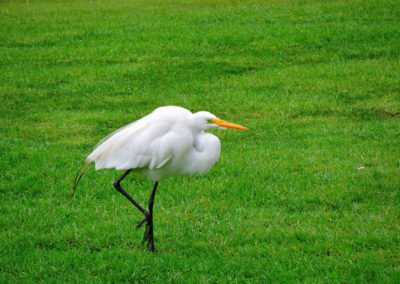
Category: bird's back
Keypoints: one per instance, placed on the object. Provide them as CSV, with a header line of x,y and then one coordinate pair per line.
x,y
150,142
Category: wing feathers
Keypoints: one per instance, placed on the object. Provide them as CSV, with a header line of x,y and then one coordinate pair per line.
x,y
150,142
137,145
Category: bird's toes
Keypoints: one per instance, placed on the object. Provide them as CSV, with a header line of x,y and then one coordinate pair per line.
x,y
145,239
146,236
141,223
151,247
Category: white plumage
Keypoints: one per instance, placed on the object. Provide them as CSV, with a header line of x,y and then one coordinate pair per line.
x,y
166,142
169,141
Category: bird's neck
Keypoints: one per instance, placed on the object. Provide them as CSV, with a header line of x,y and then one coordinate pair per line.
x,y
205,153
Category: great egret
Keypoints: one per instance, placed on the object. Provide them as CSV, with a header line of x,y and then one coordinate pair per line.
x,y
169,141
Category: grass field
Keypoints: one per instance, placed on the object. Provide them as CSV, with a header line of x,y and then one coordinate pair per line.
x,y
311,193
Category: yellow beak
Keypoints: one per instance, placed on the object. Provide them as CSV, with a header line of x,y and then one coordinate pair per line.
x,y
227,124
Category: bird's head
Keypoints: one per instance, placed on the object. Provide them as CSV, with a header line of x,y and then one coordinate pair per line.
x,y
203,120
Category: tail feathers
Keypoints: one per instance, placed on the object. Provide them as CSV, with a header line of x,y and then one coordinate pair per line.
x,y
79,175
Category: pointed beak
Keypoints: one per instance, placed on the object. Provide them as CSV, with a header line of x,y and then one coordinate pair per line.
x,y
226,124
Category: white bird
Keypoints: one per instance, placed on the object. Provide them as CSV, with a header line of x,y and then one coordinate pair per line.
x,y
169,141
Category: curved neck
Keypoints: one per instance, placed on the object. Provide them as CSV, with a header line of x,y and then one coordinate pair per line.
x,y
206,152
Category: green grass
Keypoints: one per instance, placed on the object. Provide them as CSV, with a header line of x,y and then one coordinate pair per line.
x,y
317,83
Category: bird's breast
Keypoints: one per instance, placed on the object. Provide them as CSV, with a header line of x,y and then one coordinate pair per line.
x,y
204,154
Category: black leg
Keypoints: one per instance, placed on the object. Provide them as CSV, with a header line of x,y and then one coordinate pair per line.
x,y
148,215
150,238
119,188
152,202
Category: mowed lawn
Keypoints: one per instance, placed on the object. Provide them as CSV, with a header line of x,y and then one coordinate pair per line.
x,y
311,193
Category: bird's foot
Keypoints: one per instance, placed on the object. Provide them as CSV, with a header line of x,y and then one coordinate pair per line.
x,y
148,234
141,223
148,238
150,245
150,241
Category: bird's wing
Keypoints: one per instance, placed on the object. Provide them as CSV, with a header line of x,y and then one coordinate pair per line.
x,y
148,142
